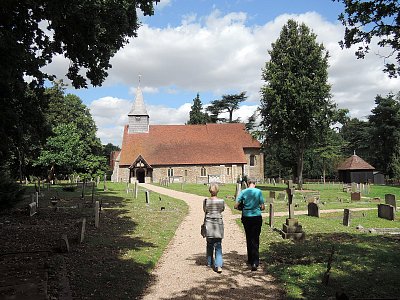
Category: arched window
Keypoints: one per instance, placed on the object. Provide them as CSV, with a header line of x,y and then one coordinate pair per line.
x,y
252,160
203,172
170,172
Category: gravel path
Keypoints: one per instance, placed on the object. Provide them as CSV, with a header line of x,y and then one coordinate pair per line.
x,y
182,272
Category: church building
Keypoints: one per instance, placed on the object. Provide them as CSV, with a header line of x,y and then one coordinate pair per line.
x,y
185,153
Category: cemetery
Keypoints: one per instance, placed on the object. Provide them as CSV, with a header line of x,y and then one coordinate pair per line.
x,y
360,246
59,244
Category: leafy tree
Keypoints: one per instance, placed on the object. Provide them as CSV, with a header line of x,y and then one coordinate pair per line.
x,y
63,151
65,109
385,133
365,20
196,114
357,134
32,33
296,103
107,149
228,103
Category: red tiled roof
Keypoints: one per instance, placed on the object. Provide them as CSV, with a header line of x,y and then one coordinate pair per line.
x,y
355,162
188,144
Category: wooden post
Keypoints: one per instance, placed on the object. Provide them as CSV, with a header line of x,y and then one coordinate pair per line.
x,y
271,215
97,214
92,191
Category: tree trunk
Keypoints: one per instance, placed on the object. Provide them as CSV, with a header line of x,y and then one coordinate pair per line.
x,y
230,115
323,171
300,164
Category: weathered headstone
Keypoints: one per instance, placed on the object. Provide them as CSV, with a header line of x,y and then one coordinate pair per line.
x,y
391,200
271,215
346,217
313,210
386,211
64,244
272,195
97,214
32,208
355,196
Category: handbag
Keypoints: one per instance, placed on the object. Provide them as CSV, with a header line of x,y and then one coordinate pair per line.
x,y
203,230
240,206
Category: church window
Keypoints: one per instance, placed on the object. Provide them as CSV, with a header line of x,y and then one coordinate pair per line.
x,y
186,172
203,172
170,172
252,160
228,171
138,118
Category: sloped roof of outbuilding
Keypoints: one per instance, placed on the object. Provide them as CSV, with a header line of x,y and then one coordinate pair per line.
x,y
355,162
188,144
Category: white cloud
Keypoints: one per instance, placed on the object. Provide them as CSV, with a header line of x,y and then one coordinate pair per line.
x,y
221,54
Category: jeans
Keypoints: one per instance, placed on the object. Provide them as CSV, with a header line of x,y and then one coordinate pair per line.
x,y
214,243
252,227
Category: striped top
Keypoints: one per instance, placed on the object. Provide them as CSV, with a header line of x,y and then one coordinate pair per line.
x,y
213,208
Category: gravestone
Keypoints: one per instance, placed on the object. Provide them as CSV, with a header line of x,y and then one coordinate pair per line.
x,y
386,211
292,229
346,217
355,196
64,244
96,214
391,200
32,208
147,197
281,196
313,209
271,215
353,187
272,195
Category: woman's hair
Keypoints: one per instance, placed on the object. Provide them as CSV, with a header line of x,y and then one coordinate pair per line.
x,y
213,189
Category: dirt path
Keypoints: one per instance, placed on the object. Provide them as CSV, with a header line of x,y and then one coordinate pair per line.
x,y
182,272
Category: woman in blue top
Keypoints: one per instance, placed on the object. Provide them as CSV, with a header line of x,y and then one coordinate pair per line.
x,y
253,204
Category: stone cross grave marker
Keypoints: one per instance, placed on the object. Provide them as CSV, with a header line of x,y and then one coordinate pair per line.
x,y
313,210
386,211
346,217
292,229
391,200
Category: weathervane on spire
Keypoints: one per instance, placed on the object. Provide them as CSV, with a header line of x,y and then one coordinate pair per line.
x,y
139,79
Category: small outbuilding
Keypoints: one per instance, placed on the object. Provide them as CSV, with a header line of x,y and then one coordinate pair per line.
x,y
355,169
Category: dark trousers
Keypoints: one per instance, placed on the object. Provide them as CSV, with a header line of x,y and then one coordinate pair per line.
x,y
252,227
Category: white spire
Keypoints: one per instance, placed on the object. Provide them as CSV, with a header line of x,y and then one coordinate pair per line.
x,y
138,107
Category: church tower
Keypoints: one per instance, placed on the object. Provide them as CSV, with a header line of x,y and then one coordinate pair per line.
x,y
138,116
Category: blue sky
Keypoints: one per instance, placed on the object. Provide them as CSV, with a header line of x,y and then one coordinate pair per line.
x,y
219,47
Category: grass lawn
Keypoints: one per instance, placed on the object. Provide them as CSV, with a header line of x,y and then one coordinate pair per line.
x,y
114,261
364,265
